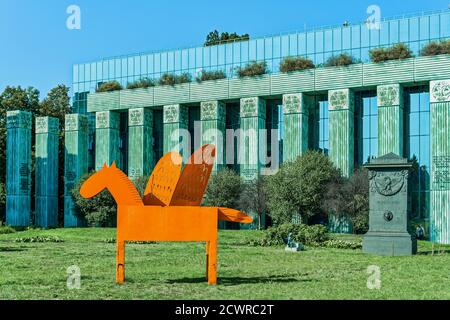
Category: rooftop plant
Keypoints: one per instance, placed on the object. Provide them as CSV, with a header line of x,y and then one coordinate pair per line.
x,y
340,60
214,38
141,83
290,64
211,75
173,79
435,48
252,69
109,86
396,52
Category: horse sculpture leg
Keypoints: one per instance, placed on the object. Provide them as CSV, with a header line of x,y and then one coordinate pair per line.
x,y
212,262
120,262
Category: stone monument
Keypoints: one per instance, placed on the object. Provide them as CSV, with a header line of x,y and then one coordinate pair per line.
x,y
389,232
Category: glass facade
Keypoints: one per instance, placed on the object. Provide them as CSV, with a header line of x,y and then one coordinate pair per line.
x,y
317,44
417,136
323,126
366,127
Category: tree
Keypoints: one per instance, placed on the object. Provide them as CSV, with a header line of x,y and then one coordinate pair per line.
x,y
224,189
349,197
212,38
298,187
254,198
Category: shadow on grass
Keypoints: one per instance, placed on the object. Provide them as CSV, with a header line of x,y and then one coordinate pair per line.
x,y
233,281
8,249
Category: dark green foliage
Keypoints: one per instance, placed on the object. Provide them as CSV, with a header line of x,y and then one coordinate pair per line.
x,y
213,38
224,189
6,230
211,75
141,83
298,188
2,197
435,48
169,79
252,69
396,52
109,86
349,197
254,197
290,64
99,211
340,60
307,235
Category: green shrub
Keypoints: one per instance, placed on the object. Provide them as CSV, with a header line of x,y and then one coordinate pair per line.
x,y
307,235
252,69
142,83
396,52
109,86
6,230
214,38
169,79
341,60
436,48
290,64
224,189
39,239
211,75
100,211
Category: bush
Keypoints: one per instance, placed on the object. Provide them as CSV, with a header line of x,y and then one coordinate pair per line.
x,y
211,75
396,52
341,60
224,189
290,64
436,48
307,235
142,83
298,188
169,79
109,86
99,211
252,69
7,230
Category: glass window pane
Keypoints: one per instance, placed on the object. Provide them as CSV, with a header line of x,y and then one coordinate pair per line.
x,y
414,124
310,42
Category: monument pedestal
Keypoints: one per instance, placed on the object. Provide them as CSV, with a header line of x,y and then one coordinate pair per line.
x,y
389,243
389,223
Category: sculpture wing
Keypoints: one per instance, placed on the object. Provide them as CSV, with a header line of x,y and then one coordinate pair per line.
x,y
227,214
161,184
195,176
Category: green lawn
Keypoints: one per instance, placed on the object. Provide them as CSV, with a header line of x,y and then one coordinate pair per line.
x,y
176,270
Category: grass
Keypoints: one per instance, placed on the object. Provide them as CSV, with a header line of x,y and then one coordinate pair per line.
x,y
176,270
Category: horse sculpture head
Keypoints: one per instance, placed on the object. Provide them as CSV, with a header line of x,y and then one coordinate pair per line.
x,y
117,183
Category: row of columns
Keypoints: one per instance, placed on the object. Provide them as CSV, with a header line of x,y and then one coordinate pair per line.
x,y
213,116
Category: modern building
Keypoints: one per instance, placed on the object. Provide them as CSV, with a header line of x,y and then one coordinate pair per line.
x,y
351,113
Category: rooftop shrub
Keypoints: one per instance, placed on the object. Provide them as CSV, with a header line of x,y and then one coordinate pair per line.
x,y
141,83
435,48
252,69
109,86
211,75
290,64
169,79
398,51
340,60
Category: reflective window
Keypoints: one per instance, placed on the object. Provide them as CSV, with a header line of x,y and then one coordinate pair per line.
x,y
417,148
323,127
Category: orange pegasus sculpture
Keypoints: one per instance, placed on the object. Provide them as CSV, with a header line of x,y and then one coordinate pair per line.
x,y
170,209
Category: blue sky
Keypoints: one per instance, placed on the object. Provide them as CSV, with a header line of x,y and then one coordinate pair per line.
x,y
38,50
